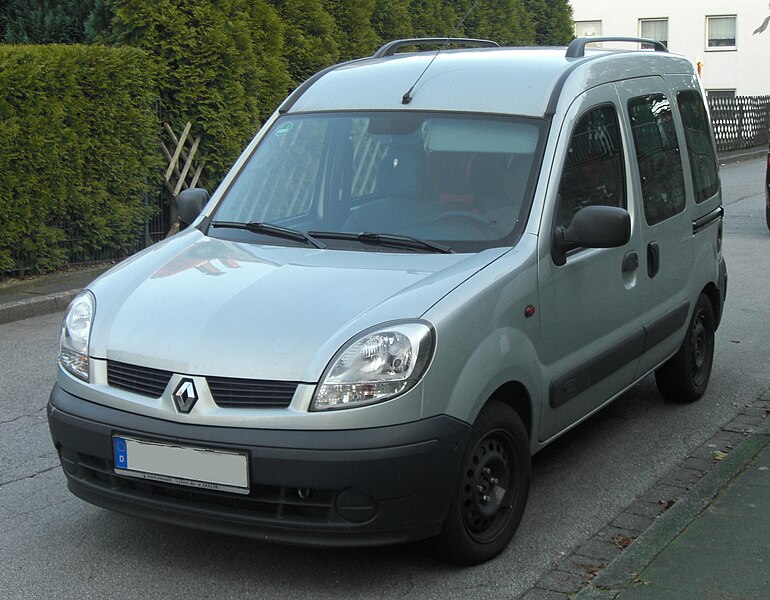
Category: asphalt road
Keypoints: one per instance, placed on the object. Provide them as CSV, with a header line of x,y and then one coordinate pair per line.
x,y
54,545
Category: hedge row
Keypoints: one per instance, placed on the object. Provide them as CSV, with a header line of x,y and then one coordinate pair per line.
x,y
78,150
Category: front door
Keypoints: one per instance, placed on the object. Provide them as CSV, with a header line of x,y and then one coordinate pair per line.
x,y
589,306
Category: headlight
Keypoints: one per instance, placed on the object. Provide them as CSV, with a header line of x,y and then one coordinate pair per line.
x,y
376,366
75,331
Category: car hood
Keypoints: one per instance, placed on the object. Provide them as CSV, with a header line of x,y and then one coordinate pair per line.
x,y
203,306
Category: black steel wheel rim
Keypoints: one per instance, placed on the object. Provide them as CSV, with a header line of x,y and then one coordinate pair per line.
x,y
486,493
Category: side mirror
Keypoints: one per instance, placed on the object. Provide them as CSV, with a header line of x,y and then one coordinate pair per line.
x,y
592,227
190,203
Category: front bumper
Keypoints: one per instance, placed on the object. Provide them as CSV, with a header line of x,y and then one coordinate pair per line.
x,y
344,488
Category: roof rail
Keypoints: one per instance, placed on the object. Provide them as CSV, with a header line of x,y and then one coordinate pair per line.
x,y
577,47
390,48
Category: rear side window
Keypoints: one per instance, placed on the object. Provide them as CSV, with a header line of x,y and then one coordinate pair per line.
x,y
593,172
700,150
657,153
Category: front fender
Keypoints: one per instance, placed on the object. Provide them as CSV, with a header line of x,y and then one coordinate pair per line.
x,y
506,356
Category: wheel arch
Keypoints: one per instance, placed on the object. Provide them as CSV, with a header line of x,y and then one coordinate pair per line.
x,y
712,293
515,395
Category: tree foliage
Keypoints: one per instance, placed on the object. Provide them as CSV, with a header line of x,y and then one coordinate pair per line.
x,y
311,37
552,20
392,19
356,36
55,21
221,66
505,21
432,18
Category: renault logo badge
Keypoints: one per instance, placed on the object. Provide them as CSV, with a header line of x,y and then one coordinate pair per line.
x,y
185,395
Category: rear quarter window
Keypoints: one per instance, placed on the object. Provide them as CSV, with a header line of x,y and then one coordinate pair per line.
x,y
700,149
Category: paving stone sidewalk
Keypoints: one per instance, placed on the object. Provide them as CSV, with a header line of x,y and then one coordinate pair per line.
x,y
701,532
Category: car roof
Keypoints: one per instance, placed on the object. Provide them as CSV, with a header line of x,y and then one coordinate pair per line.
x,y
521,81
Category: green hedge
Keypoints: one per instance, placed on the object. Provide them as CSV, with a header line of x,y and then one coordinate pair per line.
x,y
78,150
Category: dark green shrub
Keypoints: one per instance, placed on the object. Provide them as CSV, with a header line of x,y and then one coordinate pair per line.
x,y
54,21
78,150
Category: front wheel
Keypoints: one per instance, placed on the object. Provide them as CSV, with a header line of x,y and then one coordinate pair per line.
x,y
685,376
491,491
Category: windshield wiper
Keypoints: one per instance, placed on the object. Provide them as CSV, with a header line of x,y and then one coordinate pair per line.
x,y
274,230
385,239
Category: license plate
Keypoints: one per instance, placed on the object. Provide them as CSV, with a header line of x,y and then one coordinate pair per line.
x,y
181,465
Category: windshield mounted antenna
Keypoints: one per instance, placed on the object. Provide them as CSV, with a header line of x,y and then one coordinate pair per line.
x,y
407,98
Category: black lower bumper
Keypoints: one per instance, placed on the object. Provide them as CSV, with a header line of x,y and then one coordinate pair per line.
x,y
343,488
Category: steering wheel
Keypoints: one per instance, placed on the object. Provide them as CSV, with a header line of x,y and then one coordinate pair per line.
x,y
476,220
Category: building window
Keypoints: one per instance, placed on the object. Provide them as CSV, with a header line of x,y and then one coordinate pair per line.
x,y
720,33
588,28
726,94
654,29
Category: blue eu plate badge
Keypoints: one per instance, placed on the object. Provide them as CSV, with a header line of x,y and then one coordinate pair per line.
x,y
121,453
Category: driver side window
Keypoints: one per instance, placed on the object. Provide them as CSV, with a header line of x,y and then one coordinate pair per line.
x,y
593,171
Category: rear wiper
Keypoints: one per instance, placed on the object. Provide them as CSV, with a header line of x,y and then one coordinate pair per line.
x,y
385,239
274,230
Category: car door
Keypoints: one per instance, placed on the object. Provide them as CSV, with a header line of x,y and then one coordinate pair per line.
x,y
665,222
589,306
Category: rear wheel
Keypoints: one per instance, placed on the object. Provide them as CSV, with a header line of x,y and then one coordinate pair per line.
x,y
685,377
492,489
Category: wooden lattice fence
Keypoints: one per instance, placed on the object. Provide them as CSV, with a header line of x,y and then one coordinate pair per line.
x,y
740,122
185,166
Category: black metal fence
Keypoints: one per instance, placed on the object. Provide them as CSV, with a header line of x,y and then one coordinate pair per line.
x,y
155,227
741,122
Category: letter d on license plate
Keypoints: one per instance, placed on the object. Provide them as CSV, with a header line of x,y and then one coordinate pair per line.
x,y
181,465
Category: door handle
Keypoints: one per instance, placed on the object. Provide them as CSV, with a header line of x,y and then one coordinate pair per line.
x,y
630,262
653,259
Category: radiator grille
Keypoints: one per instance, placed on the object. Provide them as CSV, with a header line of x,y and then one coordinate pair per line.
x,y
227,392
140,380
247,393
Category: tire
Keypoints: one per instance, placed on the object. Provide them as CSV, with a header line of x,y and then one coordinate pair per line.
x,y
492,489
685,376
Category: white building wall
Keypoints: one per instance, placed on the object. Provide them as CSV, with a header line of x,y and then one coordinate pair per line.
x,y
746,69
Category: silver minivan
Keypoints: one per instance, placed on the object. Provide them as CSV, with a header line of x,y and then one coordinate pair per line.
x,y
426,266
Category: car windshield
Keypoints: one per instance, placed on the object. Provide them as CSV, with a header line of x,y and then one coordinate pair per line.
x,y
461,181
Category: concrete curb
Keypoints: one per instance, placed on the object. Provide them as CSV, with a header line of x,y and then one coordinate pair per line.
x,y
36,306
742,155
619,574
46,294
